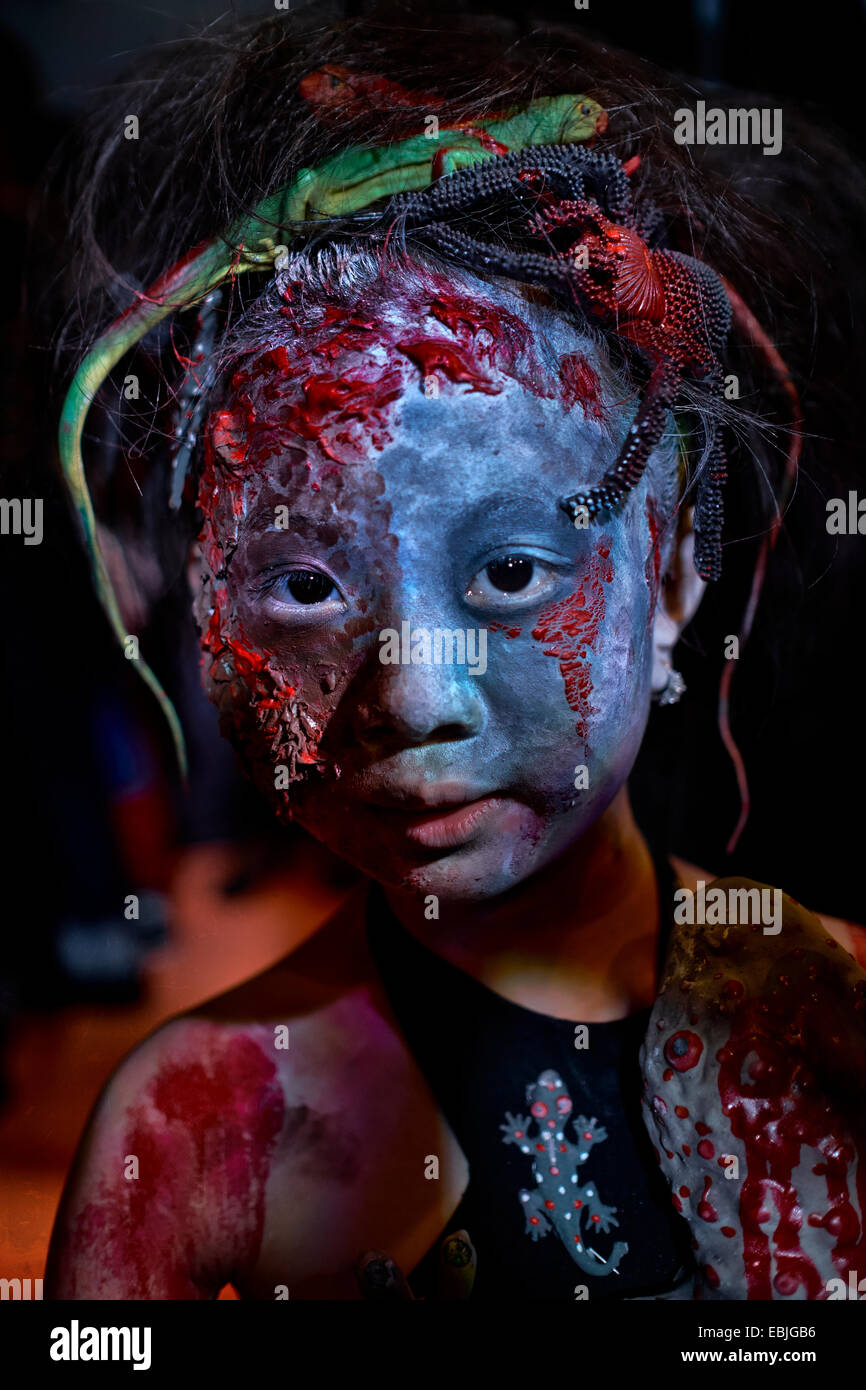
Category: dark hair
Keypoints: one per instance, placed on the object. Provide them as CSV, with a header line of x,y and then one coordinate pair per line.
x,y
222,123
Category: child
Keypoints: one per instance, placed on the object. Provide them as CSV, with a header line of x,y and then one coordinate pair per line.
x,y
456,478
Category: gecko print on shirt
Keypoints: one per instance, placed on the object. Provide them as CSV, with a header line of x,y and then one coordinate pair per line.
x,y
559,1201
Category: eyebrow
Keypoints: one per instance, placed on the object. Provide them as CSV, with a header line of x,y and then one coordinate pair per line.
x,y
591,462
262,519
510,508
498,503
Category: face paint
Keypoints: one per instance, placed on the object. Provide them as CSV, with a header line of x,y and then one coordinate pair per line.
x,y
653,564
259,703
398,505
571,627
580,384
288,394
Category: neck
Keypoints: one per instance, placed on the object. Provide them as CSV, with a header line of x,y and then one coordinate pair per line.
x,y
577,940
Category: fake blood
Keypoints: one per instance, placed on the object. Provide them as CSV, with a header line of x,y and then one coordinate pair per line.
x,y
570,629
265,717
706,1210
775,1108
292,390
782,1047
580,385
278,402
202,1134
453,362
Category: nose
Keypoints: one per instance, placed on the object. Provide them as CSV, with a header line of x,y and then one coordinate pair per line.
x,y
406,706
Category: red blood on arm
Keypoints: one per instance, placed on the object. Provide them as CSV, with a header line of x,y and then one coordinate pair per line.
x,y
190,1215
766,1091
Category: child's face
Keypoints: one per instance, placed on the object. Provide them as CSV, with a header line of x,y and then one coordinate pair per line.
x,y
449,520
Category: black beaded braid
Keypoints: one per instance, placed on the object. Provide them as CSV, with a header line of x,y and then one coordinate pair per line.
x,y
565,168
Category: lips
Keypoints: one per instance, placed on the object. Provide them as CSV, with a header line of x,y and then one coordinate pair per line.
x,y
444,798
456,827
439,823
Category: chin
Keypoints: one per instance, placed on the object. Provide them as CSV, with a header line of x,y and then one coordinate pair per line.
x,y
476,873
460,882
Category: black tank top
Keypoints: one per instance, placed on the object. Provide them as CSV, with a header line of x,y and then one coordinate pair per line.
x,y
547,1112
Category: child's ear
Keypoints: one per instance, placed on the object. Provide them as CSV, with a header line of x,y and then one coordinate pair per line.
x,y
678,602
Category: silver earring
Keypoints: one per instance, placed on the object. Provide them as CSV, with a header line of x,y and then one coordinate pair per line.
x,y
674,688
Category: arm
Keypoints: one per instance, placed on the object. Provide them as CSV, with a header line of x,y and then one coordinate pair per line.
x,y
165,1199
755,1086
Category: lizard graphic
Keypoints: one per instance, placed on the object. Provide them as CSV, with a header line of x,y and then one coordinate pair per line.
x,y
559,1201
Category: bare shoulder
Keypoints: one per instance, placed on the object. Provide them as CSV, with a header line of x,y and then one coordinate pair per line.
x,y
304,1014
292,1014
848,934
146,1212
166,1198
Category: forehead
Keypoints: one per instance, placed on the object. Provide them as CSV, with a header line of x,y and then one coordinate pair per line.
x,y
505,458
461,445
441,399
337,374
424,389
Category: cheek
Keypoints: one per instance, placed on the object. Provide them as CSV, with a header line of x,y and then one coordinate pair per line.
x,y
275,717
278,687
570,631
598,637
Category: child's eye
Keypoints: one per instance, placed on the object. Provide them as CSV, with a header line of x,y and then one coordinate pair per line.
x,y
301,585
511,574
515,578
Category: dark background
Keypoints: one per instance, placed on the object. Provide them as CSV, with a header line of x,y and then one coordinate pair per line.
x,y
91,809
56,52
